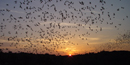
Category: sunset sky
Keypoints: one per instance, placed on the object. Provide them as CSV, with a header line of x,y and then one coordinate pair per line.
x,y
60,27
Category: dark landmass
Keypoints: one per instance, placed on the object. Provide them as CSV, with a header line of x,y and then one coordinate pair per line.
x,y
101,58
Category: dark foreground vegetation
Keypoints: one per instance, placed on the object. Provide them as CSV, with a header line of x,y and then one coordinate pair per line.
x,y
101,58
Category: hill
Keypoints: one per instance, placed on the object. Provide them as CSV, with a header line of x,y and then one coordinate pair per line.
x,y
101,58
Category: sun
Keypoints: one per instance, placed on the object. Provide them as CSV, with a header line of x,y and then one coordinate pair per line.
x,y
69,54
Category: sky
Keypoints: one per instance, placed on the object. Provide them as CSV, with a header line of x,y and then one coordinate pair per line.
x,y
63,27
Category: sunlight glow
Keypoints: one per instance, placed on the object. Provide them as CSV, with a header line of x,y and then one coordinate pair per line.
x,y
69,54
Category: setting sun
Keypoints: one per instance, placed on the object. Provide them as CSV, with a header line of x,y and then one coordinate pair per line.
x,y
69,54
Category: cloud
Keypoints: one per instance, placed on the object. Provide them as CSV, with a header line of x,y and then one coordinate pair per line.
x,y
68,24
69,49
62,24
4,40
16,11
92,39
103,28
91,11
